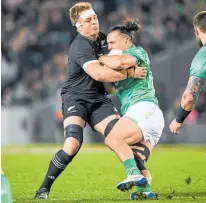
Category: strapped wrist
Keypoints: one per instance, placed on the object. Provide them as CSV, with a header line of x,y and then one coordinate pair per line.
x,y
182,114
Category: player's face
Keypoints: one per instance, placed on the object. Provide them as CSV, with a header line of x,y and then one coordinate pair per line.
x,y
89,26
198,40
116,41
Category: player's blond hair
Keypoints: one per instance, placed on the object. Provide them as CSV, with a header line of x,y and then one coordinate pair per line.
x,y
200,21
77,9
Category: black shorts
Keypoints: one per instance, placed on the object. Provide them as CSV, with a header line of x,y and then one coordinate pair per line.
x,y
92,111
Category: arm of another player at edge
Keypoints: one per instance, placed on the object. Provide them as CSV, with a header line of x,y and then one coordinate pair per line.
x,y
104,73
118,62
191,92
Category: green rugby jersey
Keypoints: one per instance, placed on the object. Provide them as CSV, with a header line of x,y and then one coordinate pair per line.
x,y
132,90
198,66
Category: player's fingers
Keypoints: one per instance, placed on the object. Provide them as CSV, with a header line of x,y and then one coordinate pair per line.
x,y
142,77
176,131
143,73
172,129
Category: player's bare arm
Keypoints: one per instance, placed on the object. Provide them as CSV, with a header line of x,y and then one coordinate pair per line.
x,y
118,62
104,73
127,62
191,93
188,100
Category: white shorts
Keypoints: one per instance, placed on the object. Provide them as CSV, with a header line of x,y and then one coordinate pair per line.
x,y
149,118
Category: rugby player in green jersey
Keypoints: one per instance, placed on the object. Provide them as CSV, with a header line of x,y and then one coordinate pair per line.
x,y
197,74
139,105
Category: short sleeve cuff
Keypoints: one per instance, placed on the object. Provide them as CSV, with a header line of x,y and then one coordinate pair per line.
x,y
85,64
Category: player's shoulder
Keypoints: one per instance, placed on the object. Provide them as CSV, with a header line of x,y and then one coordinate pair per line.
x,y
80,43
200,57
198,65
138,50
139,53
102,35
202,51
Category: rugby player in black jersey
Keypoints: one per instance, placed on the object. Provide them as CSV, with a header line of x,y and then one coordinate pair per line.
x,y
83,95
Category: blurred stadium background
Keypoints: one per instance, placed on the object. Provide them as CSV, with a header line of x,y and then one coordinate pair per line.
x,y
36,36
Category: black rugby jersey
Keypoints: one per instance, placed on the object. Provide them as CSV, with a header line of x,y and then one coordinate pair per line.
x,y
84,50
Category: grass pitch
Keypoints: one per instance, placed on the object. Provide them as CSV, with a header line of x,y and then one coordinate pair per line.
x,y
94,173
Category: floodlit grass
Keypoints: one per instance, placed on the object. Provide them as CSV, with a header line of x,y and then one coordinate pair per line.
x,y
94,173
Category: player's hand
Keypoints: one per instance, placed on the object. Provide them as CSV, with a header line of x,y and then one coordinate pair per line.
x,y
139,72
175,126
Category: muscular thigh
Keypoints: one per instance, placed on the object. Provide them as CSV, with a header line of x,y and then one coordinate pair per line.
x,y
127,130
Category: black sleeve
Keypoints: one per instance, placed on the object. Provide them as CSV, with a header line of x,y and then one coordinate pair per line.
x,y
83,53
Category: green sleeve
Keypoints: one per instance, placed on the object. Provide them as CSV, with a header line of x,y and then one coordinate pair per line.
x,y
198,71
136,53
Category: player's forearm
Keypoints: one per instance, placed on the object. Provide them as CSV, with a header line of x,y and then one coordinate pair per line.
x,y
189,97
124,61
113,62
107,74
191,93
187,101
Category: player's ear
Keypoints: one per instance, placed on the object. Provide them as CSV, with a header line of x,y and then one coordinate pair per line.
x,y
126,40
80,28
197,31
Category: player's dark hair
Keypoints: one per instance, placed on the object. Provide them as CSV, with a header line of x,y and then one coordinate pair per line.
x,y
200,21
129,26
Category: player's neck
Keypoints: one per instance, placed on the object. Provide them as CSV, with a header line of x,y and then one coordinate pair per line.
x,y
128,46
90,37
93,37
203,40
